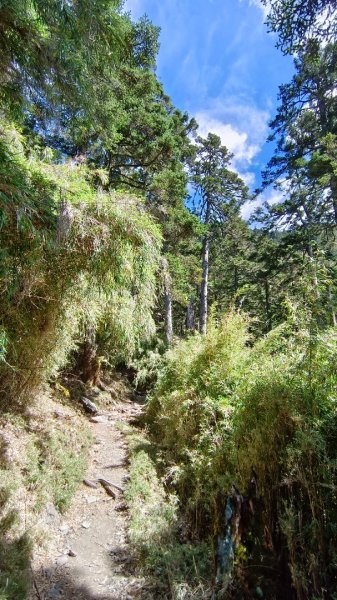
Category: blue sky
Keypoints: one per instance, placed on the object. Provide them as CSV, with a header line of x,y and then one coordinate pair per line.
x,y
218,62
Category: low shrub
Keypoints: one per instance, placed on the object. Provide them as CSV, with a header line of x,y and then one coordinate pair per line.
x,y
190,413
257,424
180,569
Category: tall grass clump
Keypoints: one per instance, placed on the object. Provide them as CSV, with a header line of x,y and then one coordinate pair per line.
x,y
256,425
285,426
190,413
71,257
179,569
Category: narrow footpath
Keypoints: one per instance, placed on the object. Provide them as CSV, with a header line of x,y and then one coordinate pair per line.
x,y
86,555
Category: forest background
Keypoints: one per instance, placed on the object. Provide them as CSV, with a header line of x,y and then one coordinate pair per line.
x,y
121,227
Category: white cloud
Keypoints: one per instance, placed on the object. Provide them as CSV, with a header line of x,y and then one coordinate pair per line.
x,y
241,127
270,196
236,141
249,207
248,124
265,8
249,178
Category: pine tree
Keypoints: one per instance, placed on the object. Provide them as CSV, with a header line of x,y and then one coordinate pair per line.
x,y
219,194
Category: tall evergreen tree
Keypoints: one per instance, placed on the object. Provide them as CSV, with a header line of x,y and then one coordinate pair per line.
x,y
299,20
219,194
306,124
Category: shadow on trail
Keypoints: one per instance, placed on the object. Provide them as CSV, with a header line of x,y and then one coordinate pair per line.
x,y
54,584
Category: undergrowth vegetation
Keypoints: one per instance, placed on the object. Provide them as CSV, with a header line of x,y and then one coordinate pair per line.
x,y
55,466
255,426
119,228
43,458
179,568
78,258
15,544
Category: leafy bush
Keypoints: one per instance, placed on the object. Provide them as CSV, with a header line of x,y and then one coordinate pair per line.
x,y
70,256
190,412
223,410
178,567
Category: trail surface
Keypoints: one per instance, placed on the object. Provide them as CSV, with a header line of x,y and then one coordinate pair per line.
x,y
87,555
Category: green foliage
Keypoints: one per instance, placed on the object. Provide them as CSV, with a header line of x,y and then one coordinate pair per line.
x,y
297,21
218,195
58,47
14,565
190,411
15,551
179,568
70,256
42,461
303,165
79,263
221,408
219,192
54,54
56,465
156,512
147,364
290,390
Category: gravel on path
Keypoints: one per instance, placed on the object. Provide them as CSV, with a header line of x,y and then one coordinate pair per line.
x,y
87,555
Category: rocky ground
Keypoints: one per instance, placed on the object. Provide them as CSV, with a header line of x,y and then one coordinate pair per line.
x,y
86,555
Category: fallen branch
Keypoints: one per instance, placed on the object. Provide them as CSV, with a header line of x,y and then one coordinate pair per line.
x,y
106,482
107,488
90,484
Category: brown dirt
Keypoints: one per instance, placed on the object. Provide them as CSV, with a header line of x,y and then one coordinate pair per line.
x,y
87,556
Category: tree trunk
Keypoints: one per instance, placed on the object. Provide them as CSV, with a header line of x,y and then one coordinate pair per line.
x,y
168,302
168,317
267,301
190,315
205,271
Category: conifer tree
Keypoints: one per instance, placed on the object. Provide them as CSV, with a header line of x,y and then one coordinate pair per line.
x,y
219,194
297,21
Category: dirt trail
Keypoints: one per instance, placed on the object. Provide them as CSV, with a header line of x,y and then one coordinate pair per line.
x,y
87,555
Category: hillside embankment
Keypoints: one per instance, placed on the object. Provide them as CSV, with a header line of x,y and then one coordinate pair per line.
x,y
64,517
